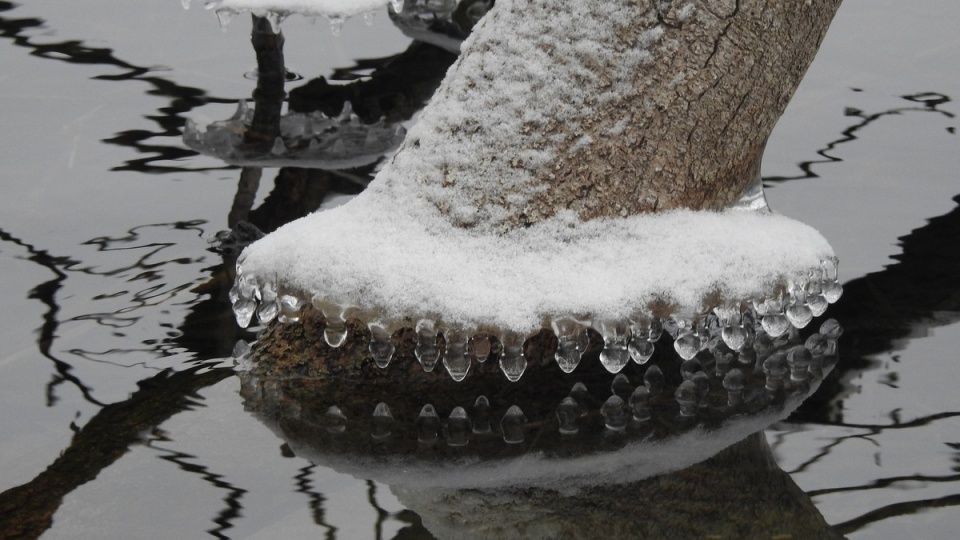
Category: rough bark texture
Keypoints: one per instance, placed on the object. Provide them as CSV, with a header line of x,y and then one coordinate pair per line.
x,y
701,113
670,109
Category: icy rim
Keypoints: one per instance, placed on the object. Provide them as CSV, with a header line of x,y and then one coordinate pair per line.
x,y
336,11
702,275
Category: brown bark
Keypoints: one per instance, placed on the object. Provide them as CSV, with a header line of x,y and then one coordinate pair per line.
x,y
682,124
696,143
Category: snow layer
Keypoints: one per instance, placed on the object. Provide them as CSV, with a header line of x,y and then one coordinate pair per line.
x,y
402,257
328,8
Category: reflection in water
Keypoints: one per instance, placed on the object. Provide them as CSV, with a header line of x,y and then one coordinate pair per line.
x,y
232,500
27,510
170,119
929,102
568,455
46,293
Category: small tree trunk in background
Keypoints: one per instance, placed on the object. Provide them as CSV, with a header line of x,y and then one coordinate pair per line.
x,y
610,107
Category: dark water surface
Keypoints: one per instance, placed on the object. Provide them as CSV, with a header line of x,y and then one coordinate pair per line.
x,y
120,415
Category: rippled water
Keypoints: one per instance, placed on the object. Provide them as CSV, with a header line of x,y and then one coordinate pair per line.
x,y
120,419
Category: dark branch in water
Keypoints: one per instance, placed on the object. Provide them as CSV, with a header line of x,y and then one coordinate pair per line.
x,y
931,102
170,120
46,293
26,511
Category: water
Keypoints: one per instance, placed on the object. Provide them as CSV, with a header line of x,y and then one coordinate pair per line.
x,y
113,301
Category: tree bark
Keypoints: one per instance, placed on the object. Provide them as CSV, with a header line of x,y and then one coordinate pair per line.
x,y
609,108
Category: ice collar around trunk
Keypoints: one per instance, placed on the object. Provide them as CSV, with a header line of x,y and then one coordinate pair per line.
x,y
703,276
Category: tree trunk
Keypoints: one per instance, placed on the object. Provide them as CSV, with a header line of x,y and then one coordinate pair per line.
x,y
608,108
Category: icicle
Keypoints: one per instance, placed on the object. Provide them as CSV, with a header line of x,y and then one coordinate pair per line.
x,y
335,332
481,415
832,290
346,114
479,347
687,343
243,311
799,360
336,24
775,325
427,352
458,427
640,349
274,18
455,357
269,303
581,395
512,361
688,397
381,345
224,16
428,425
775,368
702,380
396,6
382,423
512,425
639,403
689,368
571,342
241,113
278,147
334,420
616,336
621,385
734,382
289,309
568,414
614,412
653,379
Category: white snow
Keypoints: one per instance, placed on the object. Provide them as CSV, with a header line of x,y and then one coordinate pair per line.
x,y
404,258
327,8
485,135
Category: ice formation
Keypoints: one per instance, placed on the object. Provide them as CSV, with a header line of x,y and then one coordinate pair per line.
x,y
430,240
306,140
276,10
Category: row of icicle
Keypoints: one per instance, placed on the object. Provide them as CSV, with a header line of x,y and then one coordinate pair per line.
x,y
732,327
785,364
